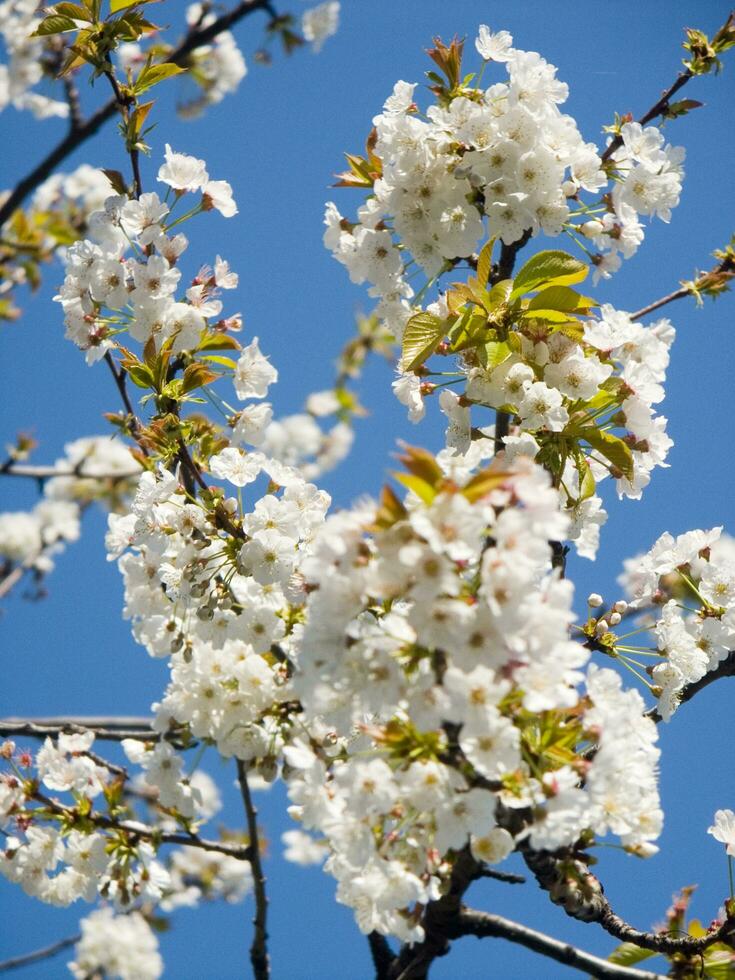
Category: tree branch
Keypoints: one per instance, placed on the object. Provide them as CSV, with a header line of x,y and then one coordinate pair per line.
x,y
25,959
582,897
106,729
41,473
383,956
144,832
481,924
657,109
259,948
196,37
713,282
726,668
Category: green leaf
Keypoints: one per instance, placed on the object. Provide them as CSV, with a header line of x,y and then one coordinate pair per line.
x,y
484,262
421,337
154,74
499,293
217,359
493,353
195,376
628,954
54,25
560,298
611,447
116,5
548,268
420,487
74,10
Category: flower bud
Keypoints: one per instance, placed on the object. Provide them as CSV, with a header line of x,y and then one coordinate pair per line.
x,y
594,600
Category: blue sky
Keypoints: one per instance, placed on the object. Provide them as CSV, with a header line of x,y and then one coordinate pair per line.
x,y
278,142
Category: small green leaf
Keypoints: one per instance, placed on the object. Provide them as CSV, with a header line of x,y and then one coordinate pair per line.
x,y
420,487
154,74
117,180
628,954
117,5
493,353
560,298
484,262
549,268
611,447
499,293
74,10
421,337
54,25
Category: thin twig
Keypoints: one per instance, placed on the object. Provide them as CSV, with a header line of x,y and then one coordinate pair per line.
x,y
715,281
657,109
104,729
259,948
242,852
25,959
51,472
483,924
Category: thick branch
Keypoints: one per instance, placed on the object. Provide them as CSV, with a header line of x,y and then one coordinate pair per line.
x,y
581,895
197,37
259,948
383,956
25,959
482,924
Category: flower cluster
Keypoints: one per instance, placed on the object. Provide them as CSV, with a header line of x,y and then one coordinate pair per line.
x,y
691,580
95,468
105,293
18,20
121,947
441,693
61,852
223,606
484,163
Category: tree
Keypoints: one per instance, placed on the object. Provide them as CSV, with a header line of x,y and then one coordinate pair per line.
x,y
410,668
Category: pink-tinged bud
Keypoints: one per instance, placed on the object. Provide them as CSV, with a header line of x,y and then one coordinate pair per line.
x,y
7,749
621,606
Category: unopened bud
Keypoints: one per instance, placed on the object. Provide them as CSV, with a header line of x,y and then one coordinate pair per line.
x,y
615,618
602,627
594,600
621,606
591,229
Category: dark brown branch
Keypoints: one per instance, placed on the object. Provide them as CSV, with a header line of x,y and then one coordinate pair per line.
x,y
50,472
259,948
657,109
503,270
505,876
144,832
119,376
582,896
76,120
74,139
105,729
712,282
25,959
383,956
726,668
482,924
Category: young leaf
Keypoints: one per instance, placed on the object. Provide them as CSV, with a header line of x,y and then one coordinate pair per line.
x,y
484,262
423,333
154,74
548,268
54,25
611,447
